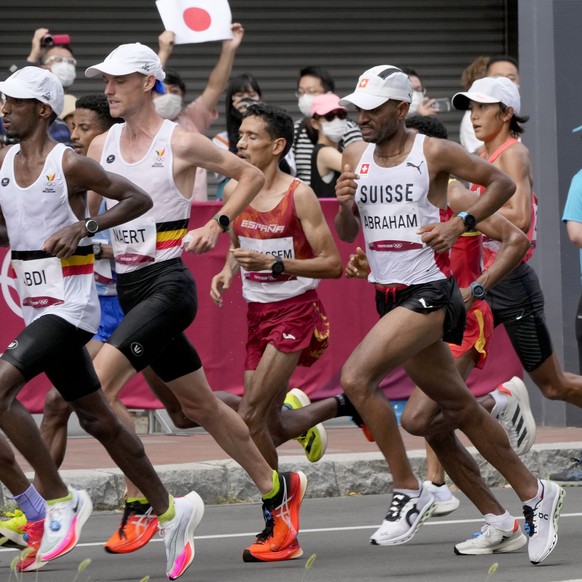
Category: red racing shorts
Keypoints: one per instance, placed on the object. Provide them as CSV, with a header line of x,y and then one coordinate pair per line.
x,y
478,330
292,325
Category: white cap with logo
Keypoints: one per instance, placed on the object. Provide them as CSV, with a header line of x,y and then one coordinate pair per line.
x,y
35,83
490,90
131,58
379,84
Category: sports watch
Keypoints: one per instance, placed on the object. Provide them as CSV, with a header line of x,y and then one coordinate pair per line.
x,y
223,221
478,291
468,220
91,227
278,267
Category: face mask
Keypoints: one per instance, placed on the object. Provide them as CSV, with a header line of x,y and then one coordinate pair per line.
x,y
335,129
168,105
65,72
417,99
304,104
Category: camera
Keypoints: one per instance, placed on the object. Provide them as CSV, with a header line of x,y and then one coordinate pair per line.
x,y
442,104
5,140
49,40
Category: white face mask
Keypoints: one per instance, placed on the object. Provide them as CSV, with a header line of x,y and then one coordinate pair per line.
x,y
168,105
304,104
417,99
335,129
65,72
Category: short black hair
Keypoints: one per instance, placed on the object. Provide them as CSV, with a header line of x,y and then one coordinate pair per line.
x,y
98,103
427,125
174,78
279,123
322,74
502,59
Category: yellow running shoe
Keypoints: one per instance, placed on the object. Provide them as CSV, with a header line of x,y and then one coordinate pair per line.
x,y
13,528
314,441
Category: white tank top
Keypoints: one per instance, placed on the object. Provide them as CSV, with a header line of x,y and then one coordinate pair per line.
x,y
155,236
47,284
393,205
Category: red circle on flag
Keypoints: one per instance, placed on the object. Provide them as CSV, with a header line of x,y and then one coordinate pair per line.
x,y
197,19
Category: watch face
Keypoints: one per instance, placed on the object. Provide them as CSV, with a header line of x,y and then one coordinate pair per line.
x,y
277,268
224,221
91,226
469,221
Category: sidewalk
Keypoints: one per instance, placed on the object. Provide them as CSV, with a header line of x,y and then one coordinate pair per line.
x,y
351,465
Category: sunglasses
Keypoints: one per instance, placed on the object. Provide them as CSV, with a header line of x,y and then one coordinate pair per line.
x,y
340,114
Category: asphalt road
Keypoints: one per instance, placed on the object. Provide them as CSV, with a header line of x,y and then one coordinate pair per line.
x,y
336,531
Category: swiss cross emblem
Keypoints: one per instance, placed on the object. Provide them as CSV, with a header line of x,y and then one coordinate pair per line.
x,y
364,168
363,83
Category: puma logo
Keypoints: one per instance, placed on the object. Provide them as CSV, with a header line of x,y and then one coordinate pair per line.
x,y
410,164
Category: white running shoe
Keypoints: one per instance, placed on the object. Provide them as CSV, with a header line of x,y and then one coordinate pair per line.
x,y
444,501
541,522
404,518
517,418
492,540
178,534
62,525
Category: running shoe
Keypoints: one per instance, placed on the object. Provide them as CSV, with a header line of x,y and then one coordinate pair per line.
x,y
138,526
178,534
541,522
571,476
33,531
517,418
63,523
13,528
444,501
404,518
281,515
314,441
492,540
261,553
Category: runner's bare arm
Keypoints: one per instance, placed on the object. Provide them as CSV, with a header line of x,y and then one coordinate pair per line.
x,y
194,150
514,243
451,158
347,222
83,174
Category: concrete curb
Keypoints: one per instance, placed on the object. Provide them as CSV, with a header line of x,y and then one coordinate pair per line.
x,y
335,475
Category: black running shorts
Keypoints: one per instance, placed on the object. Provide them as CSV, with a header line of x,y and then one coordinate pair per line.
x,y
426,298
159,303
54,346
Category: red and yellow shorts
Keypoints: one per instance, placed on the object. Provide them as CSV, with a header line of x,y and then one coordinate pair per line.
x,y
292,325
478,330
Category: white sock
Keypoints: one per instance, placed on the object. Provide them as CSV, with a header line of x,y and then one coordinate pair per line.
x,y
504,522
411,492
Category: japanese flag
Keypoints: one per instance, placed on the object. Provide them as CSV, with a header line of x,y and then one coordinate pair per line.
x,y
196,20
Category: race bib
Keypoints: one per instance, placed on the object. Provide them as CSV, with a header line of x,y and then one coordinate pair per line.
x,y
276,247
134,242
40,282
393,228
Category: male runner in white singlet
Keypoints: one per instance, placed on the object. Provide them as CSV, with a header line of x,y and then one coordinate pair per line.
x,y
394,185
156,290
43,204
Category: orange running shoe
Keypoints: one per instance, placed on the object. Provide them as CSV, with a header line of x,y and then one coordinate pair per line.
x,y
138,525
281,513
33,531
260,552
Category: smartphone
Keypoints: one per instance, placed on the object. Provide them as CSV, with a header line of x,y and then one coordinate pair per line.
x,y
442,104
